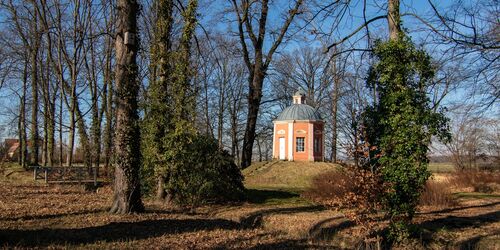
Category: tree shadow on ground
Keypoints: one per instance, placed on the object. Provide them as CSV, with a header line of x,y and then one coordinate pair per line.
x,y
112,232
52,216
481,242
460,222
259,196
431,227
448,210
124,231
321,233
289,244
255,219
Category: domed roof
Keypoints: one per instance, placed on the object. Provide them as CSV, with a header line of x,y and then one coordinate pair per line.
x,y
299,112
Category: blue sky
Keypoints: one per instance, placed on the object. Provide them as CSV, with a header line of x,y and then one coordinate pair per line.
x,y
213,21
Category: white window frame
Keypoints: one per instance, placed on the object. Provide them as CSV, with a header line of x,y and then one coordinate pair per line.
x,y
300,147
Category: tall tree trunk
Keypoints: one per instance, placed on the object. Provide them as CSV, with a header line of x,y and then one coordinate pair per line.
x,y
45,87
108,100
234,139
220,122
355,134
34,92
51,130
259,149
234,110
83,137
127,191
160,188
254,99
49,98
206,107
95,128
63,94
335,102
157,121
45,119
61,144
71,140
108,128
23,150
394,19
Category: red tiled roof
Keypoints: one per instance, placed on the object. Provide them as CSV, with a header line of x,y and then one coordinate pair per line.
x,y
13,148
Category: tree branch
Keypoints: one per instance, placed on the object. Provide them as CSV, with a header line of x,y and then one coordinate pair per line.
x,y
293,12
354,32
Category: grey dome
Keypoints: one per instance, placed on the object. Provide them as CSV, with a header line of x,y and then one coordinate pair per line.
x,y
299,112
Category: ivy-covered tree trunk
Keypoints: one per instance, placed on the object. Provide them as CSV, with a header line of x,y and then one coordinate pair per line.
x,y
157,122
400,126
127,191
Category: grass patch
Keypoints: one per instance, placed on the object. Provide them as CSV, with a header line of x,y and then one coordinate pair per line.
x,y
437,194
441,167
274,197
13,173
284,174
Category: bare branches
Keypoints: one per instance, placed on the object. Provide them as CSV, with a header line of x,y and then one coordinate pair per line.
x,y
246,56
476,39
292,13
365,24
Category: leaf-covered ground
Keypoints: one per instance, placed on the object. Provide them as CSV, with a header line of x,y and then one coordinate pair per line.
x,y
33,215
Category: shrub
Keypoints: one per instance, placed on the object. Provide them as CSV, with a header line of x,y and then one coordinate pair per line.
x,y
437,194
351,188
202,173
478,181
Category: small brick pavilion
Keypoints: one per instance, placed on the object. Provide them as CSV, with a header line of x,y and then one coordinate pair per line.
x,y
299,132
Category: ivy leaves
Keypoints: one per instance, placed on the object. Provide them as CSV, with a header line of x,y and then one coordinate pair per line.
x,y
401,124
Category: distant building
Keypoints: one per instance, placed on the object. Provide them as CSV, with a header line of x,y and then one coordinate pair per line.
x,y
11,152
299,132
13,147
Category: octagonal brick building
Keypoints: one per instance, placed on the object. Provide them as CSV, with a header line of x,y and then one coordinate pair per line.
x,y
299,132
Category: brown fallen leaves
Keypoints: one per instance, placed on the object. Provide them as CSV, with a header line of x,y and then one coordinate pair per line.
x,y
39,216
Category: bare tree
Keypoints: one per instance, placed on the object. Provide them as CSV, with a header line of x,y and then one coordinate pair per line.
x,y
474,139
258,63
34,87
108,90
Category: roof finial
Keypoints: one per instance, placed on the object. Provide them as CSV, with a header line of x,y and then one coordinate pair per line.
x,y
299,97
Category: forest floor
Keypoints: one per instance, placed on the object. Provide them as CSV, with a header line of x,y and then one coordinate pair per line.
x,y
35,215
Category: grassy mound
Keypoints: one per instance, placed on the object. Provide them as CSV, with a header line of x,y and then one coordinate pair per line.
x,y
284,175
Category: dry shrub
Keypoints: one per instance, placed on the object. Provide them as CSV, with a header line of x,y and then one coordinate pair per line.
x,y
478,181
437,194
355,189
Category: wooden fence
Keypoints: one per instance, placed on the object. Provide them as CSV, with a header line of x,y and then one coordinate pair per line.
x,y
62,175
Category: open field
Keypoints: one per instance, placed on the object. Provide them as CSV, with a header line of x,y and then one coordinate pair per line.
x,y
275,217
441,167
